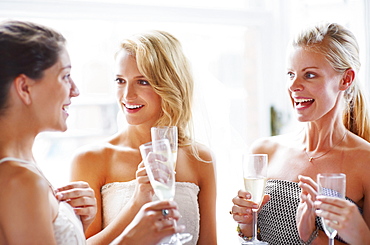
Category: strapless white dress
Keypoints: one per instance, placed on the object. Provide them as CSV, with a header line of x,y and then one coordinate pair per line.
x,y
67,226
116,195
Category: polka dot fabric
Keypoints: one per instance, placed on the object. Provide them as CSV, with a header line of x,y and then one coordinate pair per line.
x,y
276,220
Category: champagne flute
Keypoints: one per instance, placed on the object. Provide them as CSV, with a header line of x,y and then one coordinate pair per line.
x,y
158,163
170,133
333,185
255,177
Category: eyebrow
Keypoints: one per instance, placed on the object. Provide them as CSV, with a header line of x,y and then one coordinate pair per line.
x,y
66,67
137,77
310,67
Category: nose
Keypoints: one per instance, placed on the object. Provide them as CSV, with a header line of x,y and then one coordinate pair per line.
x,y
295,85
74,92
129,91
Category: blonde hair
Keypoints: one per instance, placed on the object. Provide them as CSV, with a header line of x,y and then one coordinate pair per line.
x,y
160,59
341,50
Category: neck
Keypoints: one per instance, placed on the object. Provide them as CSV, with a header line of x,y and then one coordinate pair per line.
x,y
318,139
137,135
16,143
324,146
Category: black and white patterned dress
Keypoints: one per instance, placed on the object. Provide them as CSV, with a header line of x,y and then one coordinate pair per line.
x,y
277,218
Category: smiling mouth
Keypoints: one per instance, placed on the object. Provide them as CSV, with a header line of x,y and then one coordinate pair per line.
x,y
303,102
133,107
65,108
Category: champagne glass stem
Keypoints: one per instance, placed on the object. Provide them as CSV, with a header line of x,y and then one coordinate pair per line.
x,y
254,225
331,241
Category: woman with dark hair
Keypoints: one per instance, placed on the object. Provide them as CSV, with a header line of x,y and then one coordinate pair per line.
x,y
35,91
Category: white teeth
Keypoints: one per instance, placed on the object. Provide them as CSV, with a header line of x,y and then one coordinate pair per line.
x,y
302,100
133,106
65,107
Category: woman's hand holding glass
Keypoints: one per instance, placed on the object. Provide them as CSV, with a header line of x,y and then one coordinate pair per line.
x,y
334,185
143,190
150,226
255,177
242,210
343,216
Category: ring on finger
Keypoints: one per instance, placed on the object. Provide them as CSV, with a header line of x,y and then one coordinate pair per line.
x,y
165,212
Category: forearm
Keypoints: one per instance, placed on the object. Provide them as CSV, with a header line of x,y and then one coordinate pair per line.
x,y
116,227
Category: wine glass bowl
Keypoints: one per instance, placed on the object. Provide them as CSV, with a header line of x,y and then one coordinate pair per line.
x,y
170,133
334,185
159,168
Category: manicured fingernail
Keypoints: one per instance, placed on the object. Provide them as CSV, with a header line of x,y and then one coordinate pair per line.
x,y
59,196
317,202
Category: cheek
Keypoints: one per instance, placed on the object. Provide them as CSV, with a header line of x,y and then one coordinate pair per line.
x,y
157,101
119,93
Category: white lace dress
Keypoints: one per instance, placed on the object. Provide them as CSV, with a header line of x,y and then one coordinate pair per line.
x,y
67,226
116,195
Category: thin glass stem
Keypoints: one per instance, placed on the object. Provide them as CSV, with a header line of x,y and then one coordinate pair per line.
x,y
254,225
331,241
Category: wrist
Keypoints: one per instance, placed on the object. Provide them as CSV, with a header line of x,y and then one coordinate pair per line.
x,y
312,237
246,236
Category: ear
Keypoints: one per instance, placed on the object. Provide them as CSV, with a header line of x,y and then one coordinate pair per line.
x,y
22,86
347,79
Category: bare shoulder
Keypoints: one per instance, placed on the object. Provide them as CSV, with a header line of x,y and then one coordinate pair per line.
x,y
358,149
93,154
90,162
19,182
26,199
202,162
204,151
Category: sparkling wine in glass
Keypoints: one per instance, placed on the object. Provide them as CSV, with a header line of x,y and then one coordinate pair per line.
x,y
255,177
170,133
158,163
334,185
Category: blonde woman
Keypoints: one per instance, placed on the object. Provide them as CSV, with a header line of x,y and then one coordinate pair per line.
x,y
154,88
323,64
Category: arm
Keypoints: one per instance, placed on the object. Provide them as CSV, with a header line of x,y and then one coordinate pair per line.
x,y
26,212
207,199
148,227
91,167
142,195
85,167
